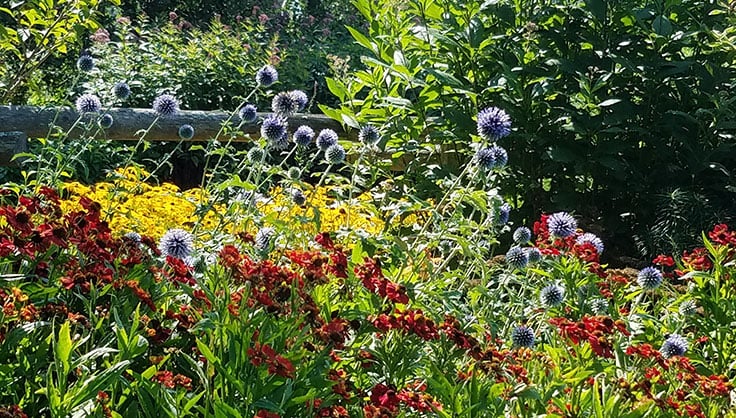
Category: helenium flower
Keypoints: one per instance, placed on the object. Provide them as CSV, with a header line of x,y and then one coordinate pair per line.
x,y
522,336
493,124
266,76
166,105
176,243
674,345
649,278
88,103
561,224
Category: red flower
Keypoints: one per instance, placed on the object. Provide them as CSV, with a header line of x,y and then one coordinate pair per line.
x,y
266,414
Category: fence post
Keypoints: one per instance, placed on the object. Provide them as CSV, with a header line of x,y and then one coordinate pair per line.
x,y
12,143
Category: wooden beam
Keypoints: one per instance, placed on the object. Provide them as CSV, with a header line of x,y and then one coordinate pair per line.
x,y
35,122
12,143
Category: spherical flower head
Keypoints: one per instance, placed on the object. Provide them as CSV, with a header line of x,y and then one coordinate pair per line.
x,y
106,121
561,224
485,159
165,105
121,90
273,128
500,156
552,295
674,345
516,258
649,278
248,113
279,144
266,76
85,63
300,98
522,336
502,216
88,103
186,132
533,254
493,124
256,155
591,239
599,306
294,173
688,308
369,135
132,236
297,196
176,243
284,104
522,235
326,138
303,136
263,238
335,154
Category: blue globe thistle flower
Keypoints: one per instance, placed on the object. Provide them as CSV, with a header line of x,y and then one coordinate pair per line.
x,y
132,236
485,159
279,144
561,224
500,156
516,258
121,90
502,217
493,124
297,196
300,98
369,135
273,128
522,336
303,136
106,121
256,155
591,239
266,76
85,63
674,345
165,105
522,235
176,243
335,154
533,254
88,103
263,239
599,306
248,113
326,138
552,295
186,132
284,104
649,278
294,173
688,308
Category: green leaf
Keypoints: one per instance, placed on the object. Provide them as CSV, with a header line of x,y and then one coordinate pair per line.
x,y
362,39
63,348
662,26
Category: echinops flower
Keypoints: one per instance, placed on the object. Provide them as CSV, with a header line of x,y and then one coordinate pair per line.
x,y
552,295
326,138
284,104
106,121
186,132
85,63
273,128
294,173
297,196
248,113
533,254
335,154
591,239
303,136
502,216
522,235
121,90
516,258
176,243
165,105
256,155
561,224
369,135
688,307
88,103
500,156
485,159
649,278
132,236
674,345
263,239
266,76
300,98
522,336
599,306
493,124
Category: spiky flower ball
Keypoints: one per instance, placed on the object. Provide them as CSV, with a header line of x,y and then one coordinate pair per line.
x,y
273,128
502,216
522,336
85,63
248,113
176,243
552,295
165,105
500,156
522,235
266,76
88,103
326,138
493,123
688,307
485,159
533,254
106,121
303,136
335,154
516,258
264,238
591,239
186,132
121,90
561,224
674,345
369,135
599,306
279,144
132,236
297,196
256,155
649,278
284,104
300,98
294,173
